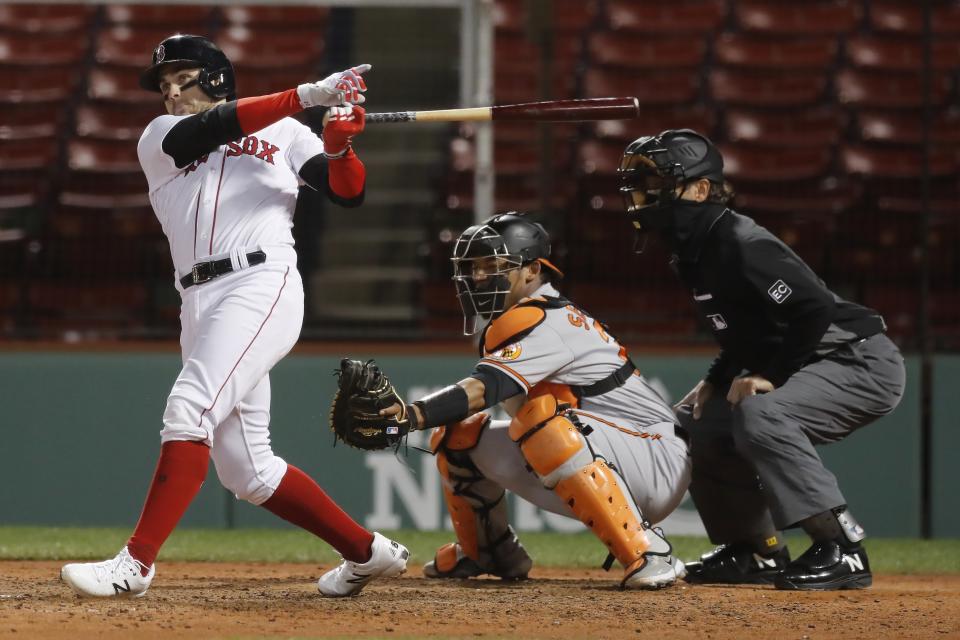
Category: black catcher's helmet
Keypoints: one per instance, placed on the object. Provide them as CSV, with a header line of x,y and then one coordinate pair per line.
x,y
216,78
653,167
495,247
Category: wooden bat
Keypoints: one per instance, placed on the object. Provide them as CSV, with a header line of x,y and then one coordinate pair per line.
x,y
551,111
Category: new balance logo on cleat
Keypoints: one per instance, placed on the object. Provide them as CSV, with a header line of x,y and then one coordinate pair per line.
x,y
765,563
359,578
854,562
117,588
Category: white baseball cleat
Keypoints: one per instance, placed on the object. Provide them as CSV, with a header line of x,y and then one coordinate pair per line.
x,y
120,576
388,560
659,567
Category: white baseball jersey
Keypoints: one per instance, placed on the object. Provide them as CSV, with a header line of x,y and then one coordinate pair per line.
x,y
632,426
242,194
238,198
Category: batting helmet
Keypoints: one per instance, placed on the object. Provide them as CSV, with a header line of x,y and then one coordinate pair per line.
x,y
500,244
216,78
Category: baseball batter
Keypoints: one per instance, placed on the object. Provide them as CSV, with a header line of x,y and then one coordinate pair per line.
x,y
223,176
589,438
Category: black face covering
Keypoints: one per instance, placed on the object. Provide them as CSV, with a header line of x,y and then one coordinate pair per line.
x,y
674,221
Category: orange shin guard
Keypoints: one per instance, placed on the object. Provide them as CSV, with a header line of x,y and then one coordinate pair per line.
x,y
461,513
598,500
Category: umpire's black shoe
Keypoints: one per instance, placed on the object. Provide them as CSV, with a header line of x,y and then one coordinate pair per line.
x,y
827,566
736,564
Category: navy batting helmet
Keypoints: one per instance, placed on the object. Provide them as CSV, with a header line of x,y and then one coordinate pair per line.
x,y
216,78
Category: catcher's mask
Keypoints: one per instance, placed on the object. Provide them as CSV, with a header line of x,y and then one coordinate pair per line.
x,y
655,169
483,257
216,79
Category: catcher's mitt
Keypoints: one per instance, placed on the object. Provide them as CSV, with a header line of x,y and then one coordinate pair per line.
x,y
355,413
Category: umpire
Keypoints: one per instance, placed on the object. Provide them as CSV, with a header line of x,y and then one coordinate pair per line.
x,y
798,366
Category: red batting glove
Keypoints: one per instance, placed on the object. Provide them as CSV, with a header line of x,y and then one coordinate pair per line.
x,y
343,123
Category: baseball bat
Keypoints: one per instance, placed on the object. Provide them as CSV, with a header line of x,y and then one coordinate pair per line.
x,y
550,111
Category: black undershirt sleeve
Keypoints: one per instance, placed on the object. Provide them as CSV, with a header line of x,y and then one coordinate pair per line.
x,y
497,385
200,134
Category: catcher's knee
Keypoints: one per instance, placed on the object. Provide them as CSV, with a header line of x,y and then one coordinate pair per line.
x,y
550,442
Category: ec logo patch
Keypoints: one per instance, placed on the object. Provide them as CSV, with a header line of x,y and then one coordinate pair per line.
x,y
719,324
510,352
779,291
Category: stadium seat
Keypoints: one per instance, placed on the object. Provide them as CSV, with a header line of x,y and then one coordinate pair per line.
x,y
755,163
651,88
907,17
25,121
875,162
124,46
46,18
35,49
27,154
599,157
893,53
277,17
112,121
654,120
821,199
516,55
741,50
679,16
625,50
103,156
795,18
38,85
179,18
111,84
818,127
252,82
874,89
907,127
767,88
249,49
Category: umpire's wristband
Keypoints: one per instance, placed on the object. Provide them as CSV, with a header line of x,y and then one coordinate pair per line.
x,y
446,406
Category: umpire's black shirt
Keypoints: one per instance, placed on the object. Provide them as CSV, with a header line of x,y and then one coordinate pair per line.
x,y
768,310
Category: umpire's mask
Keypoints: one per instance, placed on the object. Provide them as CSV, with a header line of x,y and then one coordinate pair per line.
x,y
485,254
654,169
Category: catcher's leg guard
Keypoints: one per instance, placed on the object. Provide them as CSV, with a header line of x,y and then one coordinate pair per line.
x,y
558,452
485,541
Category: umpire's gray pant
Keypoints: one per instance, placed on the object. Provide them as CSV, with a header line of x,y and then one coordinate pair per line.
x,y
755,469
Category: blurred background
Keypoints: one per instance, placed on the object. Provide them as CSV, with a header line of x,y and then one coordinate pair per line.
x,y
839,122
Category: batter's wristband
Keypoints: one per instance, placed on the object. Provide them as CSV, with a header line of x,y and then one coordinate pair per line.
x,y
446,406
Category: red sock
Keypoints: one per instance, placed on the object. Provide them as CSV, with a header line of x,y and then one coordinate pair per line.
x,y
180,472
301,501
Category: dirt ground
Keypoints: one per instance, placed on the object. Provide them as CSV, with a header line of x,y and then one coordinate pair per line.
x,y
212,600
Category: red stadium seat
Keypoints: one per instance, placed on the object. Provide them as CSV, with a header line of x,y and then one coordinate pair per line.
x,y
897,163
103,156
517,55
251,82
123,46
277,17
37,84
599,157
509,158
119,85
900,54
679,16
767,88
907,17
823,200
22,49
25,121
822,126
177,18
46,18
620,49
112,121
740,50
907,127
248,48
796,18
27,154
888,90
654,120
653,88
771,164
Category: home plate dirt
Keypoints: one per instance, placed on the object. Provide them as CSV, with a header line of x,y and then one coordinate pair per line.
x,y
215,600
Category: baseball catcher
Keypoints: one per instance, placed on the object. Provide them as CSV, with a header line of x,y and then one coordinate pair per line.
x,y
589,438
